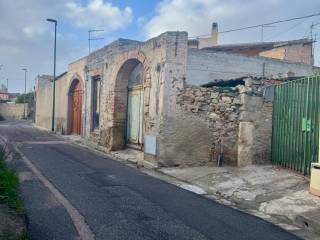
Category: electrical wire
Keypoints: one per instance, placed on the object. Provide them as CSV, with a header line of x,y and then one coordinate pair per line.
x,y
285,31
261,25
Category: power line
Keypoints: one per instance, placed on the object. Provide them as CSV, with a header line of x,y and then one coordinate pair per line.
x,y
285,31
270,23
264,24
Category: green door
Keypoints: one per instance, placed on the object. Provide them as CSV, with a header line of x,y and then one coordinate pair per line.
x,y
135,117
295,133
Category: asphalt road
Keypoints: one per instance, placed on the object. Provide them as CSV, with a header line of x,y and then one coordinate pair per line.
x,y
117,201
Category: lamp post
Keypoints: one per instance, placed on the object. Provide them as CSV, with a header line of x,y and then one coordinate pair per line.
x,y
54,72
25,91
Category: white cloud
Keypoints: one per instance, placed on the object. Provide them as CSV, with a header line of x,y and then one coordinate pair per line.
x,y
98,13
194,16
35,30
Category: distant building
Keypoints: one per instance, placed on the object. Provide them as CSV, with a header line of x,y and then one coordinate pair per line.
x,y
300,51
4,96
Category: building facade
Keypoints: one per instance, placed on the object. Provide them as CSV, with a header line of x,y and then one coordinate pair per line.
x,y
162,97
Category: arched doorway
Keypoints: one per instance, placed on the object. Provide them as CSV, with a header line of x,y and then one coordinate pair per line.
x,y
75,106
128,115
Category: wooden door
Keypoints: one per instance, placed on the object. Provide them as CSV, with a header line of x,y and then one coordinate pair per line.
x,y
76,101
135,116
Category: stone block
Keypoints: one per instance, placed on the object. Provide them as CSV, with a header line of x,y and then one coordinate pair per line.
x,y
245,144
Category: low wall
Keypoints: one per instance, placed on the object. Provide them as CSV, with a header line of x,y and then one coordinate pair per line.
x,y
13,110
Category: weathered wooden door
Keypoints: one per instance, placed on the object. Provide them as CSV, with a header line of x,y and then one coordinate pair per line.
x,y
76,101
135,116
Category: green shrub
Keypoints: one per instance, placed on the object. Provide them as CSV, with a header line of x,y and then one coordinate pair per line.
x,y
9,184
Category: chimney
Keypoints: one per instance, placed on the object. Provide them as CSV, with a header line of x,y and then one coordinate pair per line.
x,y
211,41
214,33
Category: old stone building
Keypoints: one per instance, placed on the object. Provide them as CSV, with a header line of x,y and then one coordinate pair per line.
x,y
179,105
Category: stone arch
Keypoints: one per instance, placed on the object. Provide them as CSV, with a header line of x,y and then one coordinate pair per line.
x,y
75,77
75,105
118,131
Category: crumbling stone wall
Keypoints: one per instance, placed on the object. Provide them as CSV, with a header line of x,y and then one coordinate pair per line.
x,y
236,123
219,110
255,123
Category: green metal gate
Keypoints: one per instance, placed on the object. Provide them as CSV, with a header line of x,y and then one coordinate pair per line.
x,y
295,133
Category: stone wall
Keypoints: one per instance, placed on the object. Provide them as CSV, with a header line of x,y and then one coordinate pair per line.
x,y
255,123
235,121
218,111
204,66
13,110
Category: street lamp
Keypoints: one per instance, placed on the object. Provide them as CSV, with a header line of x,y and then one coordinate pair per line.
x,y
54,72
25,91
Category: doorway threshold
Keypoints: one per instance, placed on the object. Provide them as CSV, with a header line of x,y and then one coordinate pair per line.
x,y
134,146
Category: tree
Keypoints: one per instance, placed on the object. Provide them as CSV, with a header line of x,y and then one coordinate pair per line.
x,y
29,98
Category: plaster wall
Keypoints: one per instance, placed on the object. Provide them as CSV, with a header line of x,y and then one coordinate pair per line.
x,y
13,110
205,66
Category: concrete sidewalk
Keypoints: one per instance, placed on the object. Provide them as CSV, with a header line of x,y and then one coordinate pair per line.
x,y
275,194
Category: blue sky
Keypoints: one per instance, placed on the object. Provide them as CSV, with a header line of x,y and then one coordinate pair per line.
x,y
26,39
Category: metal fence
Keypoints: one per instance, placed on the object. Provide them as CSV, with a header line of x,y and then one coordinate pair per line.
x,y
295,133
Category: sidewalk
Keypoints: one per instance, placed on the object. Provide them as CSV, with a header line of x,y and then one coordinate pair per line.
x,y
277,195
274,194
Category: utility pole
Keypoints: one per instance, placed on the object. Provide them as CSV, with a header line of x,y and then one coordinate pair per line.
x,y
25,92
93,39
312,26
0,69
54,72
313,39
8,85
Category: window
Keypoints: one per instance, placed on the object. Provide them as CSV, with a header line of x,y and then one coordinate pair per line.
x,y
96,91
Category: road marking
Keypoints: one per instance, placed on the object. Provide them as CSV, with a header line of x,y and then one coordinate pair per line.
x,y
78,220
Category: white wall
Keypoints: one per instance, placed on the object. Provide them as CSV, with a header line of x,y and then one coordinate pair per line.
x,y
204,67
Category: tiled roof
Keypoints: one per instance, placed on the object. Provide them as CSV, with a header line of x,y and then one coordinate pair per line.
x,y
261,45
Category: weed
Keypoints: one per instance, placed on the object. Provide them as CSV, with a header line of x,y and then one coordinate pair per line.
x,y
9,184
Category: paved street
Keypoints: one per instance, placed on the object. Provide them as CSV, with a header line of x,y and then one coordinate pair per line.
x,y
116,201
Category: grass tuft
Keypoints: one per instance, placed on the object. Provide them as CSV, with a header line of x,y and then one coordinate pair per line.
x,y
9,183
